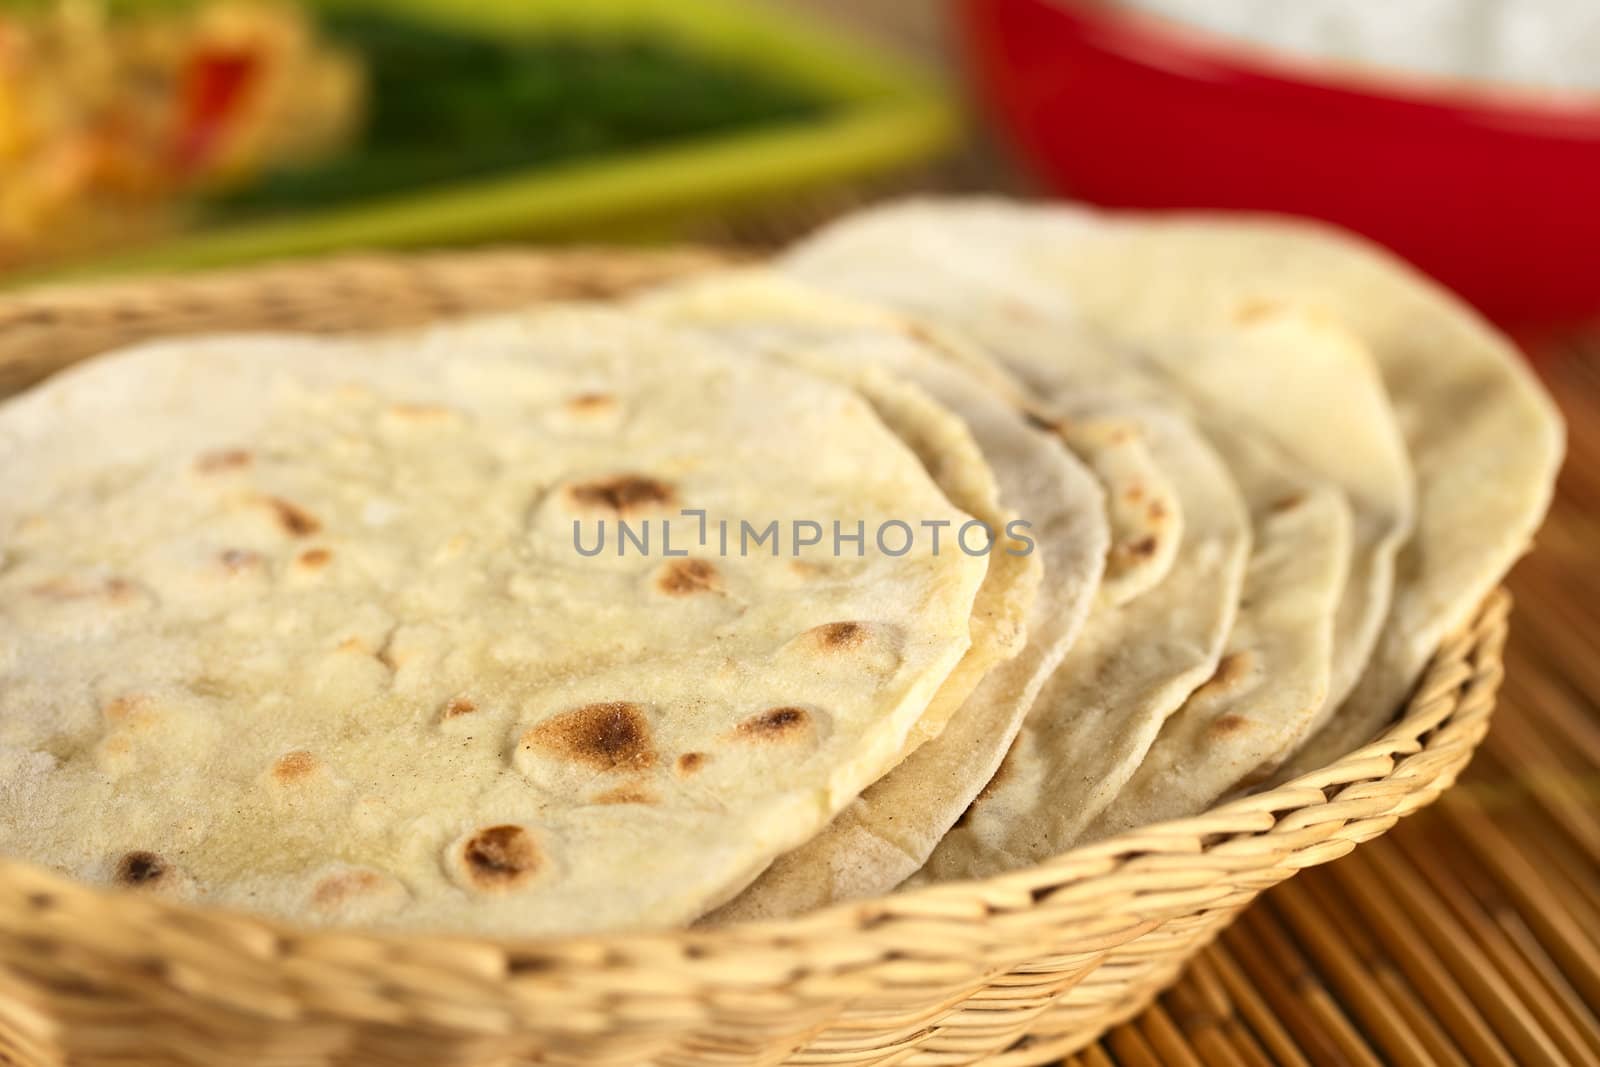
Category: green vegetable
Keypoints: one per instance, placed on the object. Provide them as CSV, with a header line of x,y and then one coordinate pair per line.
x,y
446,104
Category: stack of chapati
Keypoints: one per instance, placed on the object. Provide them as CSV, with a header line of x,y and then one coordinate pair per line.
x,y
963,533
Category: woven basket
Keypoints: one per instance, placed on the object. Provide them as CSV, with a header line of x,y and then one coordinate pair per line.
x,y
1024,967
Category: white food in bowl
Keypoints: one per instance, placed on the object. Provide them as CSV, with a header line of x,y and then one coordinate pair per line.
x,y
1547,44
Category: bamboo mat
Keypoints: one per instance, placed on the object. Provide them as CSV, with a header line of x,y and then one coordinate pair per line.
x,y
1470,934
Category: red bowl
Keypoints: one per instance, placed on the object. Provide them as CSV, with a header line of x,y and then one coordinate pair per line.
x,y
1494,191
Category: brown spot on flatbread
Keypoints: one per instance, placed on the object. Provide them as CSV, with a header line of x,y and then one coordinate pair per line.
x,y
225,459
804,569
1293,500
1157,511
592,404
623,494
838,636
1016,309
338,889
294,766
1231,671
498,858
120,590
296,521
1125,555
1256,309
625,794
685,577
690,762
775,725
115,590
457,707
1133,494
1039,422
314,559
1226,725
239,560
124,708
140,869
607,736
60,589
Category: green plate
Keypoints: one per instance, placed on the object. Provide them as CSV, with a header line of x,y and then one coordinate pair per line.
x,y
885,114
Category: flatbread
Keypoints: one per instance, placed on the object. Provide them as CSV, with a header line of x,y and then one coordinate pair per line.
x,y
300,627
1274,675
884,836
1133,665
1143,508
1297,377
1051,286
1271,688
776,318
1484,439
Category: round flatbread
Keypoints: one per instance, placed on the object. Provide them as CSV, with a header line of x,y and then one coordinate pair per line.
x,y
309,628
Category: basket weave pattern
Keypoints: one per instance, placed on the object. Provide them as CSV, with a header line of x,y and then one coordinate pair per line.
x,y
1023,967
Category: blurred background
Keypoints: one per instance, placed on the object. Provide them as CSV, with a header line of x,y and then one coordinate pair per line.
x,y
143,134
